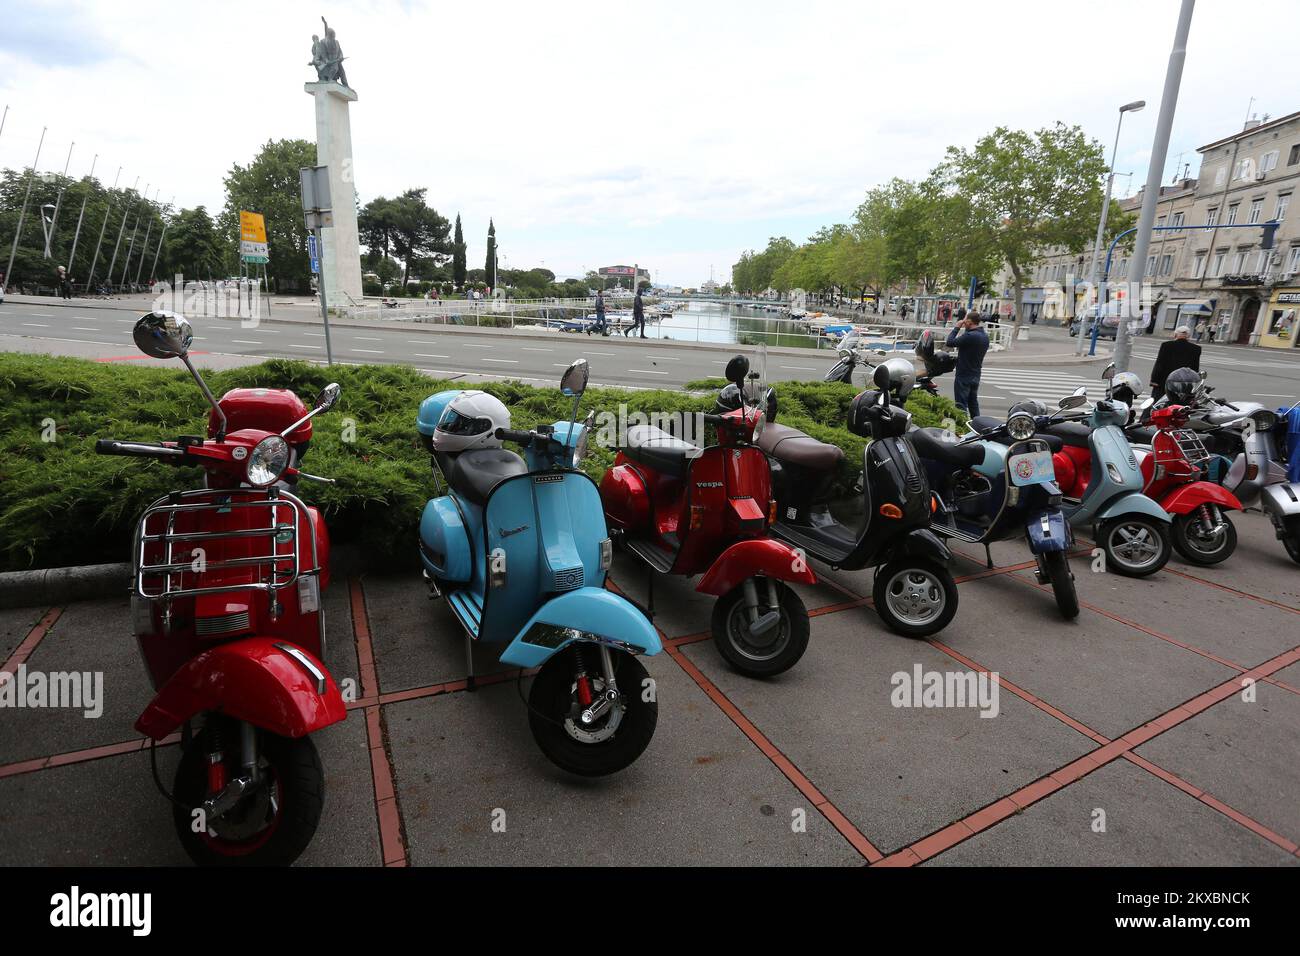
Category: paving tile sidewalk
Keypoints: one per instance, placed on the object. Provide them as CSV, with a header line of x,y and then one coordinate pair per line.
x,y
1159,728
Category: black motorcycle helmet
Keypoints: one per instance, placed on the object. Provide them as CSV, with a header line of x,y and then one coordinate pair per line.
x,y
729,400
935,362
1031,407
1181,386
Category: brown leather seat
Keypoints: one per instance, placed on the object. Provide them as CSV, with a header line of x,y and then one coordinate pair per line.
x,y
789,444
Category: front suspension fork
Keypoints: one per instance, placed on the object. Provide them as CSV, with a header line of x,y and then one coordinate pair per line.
x,y
1210,519
223,795
761,621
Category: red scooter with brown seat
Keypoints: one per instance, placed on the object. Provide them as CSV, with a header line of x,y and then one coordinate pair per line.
x,y
687,510
226,601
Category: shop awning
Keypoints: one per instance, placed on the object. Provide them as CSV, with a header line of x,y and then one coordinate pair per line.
x,y
1195,307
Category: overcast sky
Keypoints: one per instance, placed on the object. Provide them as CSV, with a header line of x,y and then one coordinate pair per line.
x,y
673,134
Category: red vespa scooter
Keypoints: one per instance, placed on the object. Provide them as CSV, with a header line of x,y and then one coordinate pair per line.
x,y
226,601
1173,474
687,510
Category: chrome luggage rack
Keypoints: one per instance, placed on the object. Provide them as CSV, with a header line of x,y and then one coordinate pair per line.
x,y
1190,444
165,580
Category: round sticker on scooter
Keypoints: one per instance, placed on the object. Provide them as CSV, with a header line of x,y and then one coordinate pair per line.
x,y
1025,468
239,453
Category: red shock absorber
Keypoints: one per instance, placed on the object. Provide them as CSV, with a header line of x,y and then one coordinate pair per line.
x,y
582,680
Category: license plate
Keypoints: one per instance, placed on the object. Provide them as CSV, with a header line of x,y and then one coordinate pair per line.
x,y
1031,468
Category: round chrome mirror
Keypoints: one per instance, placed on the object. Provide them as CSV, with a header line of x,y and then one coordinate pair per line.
x,y
1109,372
328,397
163,335
574,382
846,354
737,369
1072,401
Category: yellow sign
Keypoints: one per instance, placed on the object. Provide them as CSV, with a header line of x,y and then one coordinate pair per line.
x,y
252,227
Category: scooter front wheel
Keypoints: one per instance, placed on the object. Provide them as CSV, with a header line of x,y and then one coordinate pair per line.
x,y
1056,570
269,826
1135,545
1199,548
1291,538
775,648
914,597
615,738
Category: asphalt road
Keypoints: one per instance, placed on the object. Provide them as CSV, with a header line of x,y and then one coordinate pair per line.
x,y
1264,375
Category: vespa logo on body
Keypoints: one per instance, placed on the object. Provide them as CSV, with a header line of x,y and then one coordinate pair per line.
x,y
708,484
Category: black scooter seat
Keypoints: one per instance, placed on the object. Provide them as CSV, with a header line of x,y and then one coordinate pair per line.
x,y
984,422
937,445
798,448
1141,434
655,448
1074,434
475,473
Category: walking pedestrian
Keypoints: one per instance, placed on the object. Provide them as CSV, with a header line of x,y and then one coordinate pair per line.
x,y
971,342
600,325
1178,352
638,315
65,283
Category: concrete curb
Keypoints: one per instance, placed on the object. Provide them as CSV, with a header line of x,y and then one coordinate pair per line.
x,y
51,586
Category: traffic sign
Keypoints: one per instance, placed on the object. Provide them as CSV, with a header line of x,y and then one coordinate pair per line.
x,y
315,265
252,237
311,249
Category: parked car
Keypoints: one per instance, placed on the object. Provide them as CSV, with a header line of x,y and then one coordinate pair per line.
x,y
1109,326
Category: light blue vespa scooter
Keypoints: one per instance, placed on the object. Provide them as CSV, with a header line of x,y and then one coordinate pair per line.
x,y
520,549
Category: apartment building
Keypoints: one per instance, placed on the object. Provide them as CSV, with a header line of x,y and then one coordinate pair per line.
x,y
1205,266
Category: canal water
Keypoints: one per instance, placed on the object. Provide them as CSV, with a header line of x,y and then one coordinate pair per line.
x,y
724,322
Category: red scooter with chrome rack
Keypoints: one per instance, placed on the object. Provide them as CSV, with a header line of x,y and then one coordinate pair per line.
x,y
686,510
226,601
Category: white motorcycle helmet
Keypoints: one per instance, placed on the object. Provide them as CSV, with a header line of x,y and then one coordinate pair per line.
x,y
470,422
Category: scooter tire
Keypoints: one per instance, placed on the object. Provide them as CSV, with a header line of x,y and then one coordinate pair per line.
x,y
1181,533
1057,566
794,618
300,779
1114,563
1291,538
938,574
550,702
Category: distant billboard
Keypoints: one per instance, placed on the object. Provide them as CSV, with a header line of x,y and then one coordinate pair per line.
x,y
617,271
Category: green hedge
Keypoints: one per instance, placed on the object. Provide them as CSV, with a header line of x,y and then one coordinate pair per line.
x,y
61,504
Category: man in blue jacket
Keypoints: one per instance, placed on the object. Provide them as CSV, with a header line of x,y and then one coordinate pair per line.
x,y
600,325
971,342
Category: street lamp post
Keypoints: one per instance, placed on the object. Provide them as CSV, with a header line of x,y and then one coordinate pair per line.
x,y
1155,171
1101,226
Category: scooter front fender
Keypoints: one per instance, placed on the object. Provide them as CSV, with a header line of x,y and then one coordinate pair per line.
x,y
745,559
1281,500
266,681
1048,531
1185,499
921,543
1128,503
587,614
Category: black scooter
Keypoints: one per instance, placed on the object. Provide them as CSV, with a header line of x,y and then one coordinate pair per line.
x,y
887,527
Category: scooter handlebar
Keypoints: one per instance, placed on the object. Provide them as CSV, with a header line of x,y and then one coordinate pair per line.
x,y
137,449
520,438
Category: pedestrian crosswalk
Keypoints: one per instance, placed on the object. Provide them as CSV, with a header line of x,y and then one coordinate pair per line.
x,y
1044,384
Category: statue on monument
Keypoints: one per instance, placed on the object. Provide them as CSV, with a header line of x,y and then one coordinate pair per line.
x,y
327,57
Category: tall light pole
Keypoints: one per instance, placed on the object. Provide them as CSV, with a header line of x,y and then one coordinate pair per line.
x,y
1101,226
22,215
1156,171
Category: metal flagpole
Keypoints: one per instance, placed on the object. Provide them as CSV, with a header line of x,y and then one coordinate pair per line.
x,y
77,235
54,219
13,251
102,226
126,212
153,269
135,231
144,247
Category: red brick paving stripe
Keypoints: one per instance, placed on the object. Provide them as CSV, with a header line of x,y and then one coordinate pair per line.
x,y
388,813
801,782
949,836
361,635
82,756
1209,801
33,638
1236,591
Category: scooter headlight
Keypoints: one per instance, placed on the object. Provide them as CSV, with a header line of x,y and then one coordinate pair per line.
x,y
759,425
1265,421
580,450
269,459
1021,427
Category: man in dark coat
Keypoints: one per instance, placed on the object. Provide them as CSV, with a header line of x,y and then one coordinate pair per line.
x,y
638,315
1178,352
971,342
600,326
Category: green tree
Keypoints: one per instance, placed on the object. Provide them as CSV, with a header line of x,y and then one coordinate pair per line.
x,y
458,256
490,263
194,247
270,185
1028,191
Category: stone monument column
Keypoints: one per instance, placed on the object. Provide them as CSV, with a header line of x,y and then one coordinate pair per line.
x,y
342,249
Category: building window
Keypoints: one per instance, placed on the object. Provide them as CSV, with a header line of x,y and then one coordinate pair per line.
x,y
1268,162
1243,169
1293,261
1282,202
1294,156
1177,222
1232,214
1261,262
1166,265
1218,263
1238,262
1212,216
1256,210
1151,265
1198,266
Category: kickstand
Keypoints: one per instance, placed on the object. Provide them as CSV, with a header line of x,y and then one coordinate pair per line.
x,y
650,592
988,556
470,683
